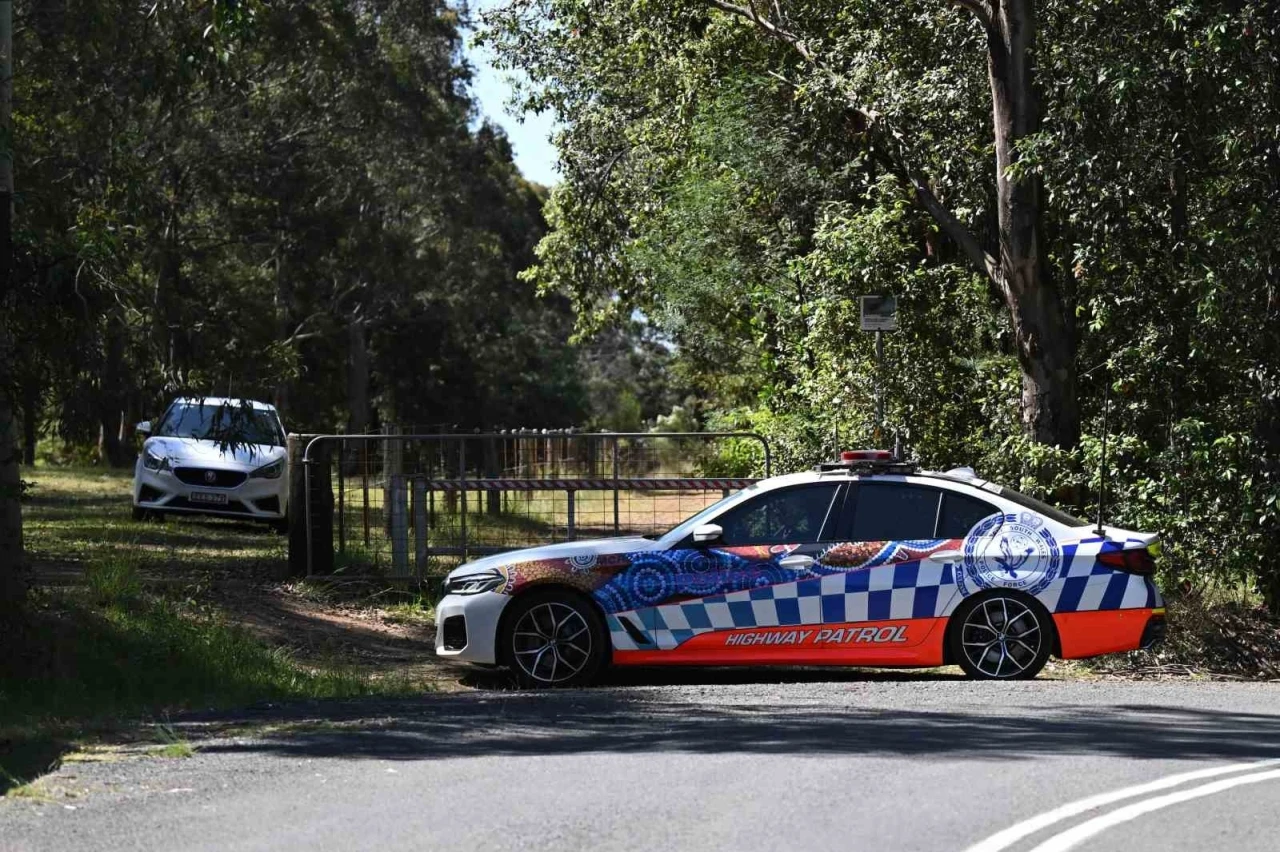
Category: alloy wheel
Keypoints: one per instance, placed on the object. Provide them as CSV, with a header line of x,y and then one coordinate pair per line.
x,y
552,643
1002,638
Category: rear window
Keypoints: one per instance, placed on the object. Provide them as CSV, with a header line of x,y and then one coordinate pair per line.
x,y
1051,512
961,513
894,512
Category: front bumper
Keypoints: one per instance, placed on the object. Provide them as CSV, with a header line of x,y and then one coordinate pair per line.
x,y
467,626
162,491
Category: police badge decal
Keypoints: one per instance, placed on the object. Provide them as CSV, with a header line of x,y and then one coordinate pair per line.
x,y
1009,552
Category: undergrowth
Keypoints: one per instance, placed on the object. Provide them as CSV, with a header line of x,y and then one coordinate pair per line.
x,y
1210,634
110,652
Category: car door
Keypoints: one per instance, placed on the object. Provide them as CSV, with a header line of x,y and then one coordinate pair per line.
x,y
898,553
769,541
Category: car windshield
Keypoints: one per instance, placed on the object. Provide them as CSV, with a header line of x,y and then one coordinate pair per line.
x,y
685,527
223,422
1051,512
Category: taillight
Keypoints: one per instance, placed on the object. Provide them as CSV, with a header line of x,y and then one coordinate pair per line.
x,y
1135,561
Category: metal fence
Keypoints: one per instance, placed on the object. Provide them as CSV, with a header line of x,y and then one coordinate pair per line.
x,y
411,506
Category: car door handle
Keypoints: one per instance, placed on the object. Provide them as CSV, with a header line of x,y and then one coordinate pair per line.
x,y
946,556
796,561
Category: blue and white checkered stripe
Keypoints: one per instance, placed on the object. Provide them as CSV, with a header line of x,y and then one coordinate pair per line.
x,y
915,589
902,591
1084,584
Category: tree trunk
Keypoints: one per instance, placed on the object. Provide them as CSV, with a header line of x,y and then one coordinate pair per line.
x,y
1044,337
357,379
283,300
13,587
30,424
171,333
111,449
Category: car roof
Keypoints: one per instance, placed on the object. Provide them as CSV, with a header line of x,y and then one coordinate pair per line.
x,y
226,400
958,476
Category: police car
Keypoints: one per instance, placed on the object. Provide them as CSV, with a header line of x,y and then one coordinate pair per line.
x,y
867,561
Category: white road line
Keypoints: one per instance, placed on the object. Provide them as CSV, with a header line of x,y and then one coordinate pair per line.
x,y
1011,835
1075,836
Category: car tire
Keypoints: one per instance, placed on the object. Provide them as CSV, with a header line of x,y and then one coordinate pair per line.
x,y
142,515
981,642
281,526
553,639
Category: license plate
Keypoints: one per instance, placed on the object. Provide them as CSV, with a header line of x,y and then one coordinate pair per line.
x,y
209,498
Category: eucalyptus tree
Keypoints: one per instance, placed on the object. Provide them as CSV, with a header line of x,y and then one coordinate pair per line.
x,y
902,80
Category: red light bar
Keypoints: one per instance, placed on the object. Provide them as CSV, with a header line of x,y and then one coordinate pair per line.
x,y
852,456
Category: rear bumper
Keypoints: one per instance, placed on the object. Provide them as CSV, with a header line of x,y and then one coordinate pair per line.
x,y
1091,634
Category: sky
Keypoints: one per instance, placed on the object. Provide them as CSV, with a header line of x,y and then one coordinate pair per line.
x,y
530,137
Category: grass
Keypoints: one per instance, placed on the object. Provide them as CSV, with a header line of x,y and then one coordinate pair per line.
x,y
77,516
121,632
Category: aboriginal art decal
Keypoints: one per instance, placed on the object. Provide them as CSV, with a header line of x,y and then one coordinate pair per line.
x,y
659,599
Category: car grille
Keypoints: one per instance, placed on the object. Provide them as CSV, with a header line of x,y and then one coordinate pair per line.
x,y
199,476
268,504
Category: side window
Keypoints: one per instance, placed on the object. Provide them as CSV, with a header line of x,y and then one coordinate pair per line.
x,y
890,512
961,513
790,516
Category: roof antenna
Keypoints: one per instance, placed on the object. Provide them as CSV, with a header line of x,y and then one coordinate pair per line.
x,y
1102,465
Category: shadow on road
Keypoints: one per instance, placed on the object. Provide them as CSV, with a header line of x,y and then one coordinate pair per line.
x,y
610,721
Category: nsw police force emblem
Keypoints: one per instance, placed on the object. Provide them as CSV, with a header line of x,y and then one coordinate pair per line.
x,y
1009,552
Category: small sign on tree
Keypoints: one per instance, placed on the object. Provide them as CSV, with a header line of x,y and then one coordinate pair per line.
x,y
879,313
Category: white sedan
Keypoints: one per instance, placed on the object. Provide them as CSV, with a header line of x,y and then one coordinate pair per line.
x,y
214,456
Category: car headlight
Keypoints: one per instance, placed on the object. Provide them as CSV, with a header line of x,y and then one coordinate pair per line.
x,y
151,461
269,471
474,584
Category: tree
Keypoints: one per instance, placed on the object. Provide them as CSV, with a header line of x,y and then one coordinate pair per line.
x,y
1013,258
723,183
12,558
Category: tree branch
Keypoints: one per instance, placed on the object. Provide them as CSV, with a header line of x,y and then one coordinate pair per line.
x,y
979,8
774,31
884,142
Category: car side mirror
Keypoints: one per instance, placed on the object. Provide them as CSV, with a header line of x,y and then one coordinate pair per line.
x,y
144,427
707,533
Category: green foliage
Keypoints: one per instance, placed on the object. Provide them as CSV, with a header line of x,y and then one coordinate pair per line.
x,y
719,184
289,201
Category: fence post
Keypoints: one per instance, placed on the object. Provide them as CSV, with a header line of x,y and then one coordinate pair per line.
x,y
462,489
364,478
392,465
489,454
342,496
310,506
617,530
399,517
572,524
419,527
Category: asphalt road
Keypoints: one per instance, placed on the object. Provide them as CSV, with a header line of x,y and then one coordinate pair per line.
x,y
841,761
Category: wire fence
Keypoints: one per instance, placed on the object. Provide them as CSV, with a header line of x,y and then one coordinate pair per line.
x,y
401,506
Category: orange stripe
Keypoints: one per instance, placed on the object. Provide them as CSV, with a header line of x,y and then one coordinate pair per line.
x,y
902,642
1089,634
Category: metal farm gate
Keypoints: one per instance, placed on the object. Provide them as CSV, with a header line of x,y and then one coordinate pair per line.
x,y
406,507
